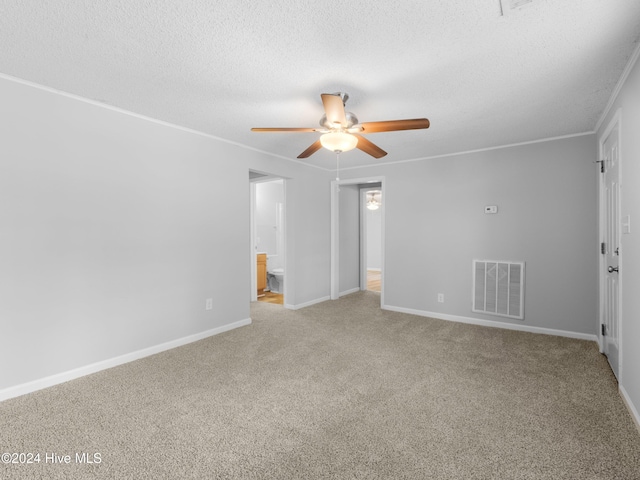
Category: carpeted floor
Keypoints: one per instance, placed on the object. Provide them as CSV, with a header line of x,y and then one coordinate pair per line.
x,y
337,390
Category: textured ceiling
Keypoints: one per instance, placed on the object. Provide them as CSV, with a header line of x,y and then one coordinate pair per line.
x,y
483,79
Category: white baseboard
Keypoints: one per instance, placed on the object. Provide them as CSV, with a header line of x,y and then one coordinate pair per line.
x,y
372,269
58,378
307,304
492,323
349,292
629,404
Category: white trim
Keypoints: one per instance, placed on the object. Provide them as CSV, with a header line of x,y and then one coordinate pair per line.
x,y
615,121
492,323
150,119
383,227
269,177
362,200
287,281
307,304
62,377
349,292
629,404
621,81
374,269
467,152
253,251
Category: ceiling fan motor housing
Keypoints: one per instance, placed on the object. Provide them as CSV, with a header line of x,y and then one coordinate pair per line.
x,y
351,121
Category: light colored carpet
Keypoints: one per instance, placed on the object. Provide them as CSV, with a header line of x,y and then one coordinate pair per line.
x,y
338,390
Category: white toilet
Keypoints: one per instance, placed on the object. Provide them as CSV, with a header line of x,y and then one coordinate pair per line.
x,y
275,274
276,280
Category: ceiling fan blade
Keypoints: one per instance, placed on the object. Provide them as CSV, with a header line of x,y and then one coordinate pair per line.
x,y
393,125
334,108
368,147
315,146
284,129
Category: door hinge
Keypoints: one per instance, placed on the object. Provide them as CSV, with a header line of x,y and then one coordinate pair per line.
x,y
603,248
603,330
601,162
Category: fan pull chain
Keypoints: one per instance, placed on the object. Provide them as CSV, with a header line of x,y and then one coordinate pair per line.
x,y
337,166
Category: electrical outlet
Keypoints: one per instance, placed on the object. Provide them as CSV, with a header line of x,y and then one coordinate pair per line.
x,y
441,298
209,305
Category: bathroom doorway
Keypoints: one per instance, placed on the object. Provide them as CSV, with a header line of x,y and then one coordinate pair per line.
x,y
267,238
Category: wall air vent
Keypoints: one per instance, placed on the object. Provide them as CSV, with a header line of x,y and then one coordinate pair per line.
x,y
498,288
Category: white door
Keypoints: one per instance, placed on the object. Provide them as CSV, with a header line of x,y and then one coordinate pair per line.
x,y
610,328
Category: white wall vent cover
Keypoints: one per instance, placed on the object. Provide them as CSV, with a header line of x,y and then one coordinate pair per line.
x,y
498,288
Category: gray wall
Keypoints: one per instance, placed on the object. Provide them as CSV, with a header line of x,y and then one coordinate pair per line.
x,y
349,230
268,196
114,229
628,101
547,201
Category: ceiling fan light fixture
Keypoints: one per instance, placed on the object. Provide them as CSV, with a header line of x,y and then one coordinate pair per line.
x,y
338,142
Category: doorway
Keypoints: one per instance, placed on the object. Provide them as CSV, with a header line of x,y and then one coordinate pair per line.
x,y
268,233
371,237
343,252
611,254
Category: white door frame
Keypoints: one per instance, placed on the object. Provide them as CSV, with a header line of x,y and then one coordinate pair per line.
x,y
335,231
252,247
363,239
613,124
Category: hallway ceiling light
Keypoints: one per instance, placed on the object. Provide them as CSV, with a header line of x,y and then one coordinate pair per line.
x,y
374,199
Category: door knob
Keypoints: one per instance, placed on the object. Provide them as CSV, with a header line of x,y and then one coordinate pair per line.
x,y
612,269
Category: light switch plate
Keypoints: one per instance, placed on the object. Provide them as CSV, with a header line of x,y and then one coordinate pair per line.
x,y
626,224
491,209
